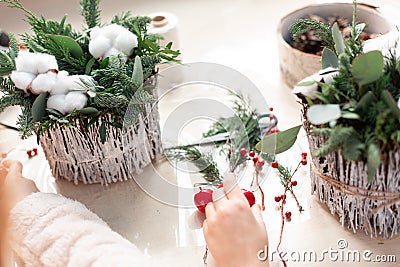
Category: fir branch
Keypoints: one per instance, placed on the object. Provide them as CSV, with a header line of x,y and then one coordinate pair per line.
x,y
7,64
131,22
109,101
14,48
91,12
322,31
204,162
25,124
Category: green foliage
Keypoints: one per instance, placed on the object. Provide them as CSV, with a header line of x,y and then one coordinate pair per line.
x,y
322,31
91,12
277,143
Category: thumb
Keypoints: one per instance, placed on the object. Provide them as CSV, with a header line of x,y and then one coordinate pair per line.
x,y
13,166
256,209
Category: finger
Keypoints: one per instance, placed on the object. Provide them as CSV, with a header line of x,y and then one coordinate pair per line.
x,y
3,174
219,198
256,209
210,210
231,188
13,166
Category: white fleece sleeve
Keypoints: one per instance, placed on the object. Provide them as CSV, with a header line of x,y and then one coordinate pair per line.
x,y
48,230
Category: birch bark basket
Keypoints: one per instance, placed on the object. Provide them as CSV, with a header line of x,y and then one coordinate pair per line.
x,y
78,155
343,186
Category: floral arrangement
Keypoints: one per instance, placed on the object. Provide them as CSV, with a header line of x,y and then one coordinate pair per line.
x,y
354,101
65,77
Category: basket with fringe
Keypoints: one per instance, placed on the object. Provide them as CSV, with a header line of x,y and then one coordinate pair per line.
x,y
344,187
78,155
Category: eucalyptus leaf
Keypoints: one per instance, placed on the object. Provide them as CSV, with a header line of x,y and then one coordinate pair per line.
x,y
137,73
365,103
278,142
373,161
39,107
306,83
340,46
350,115
391,103
69,43
329,59
90,111
368,67
103,132
89,66
321,114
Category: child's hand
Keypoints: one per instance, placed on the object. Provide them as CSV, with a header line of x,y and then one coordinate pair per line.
x,y
13,186
234,232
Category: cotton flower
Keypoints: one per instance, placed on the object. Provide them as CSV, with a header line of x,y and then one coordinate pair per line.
x,y
22,80
57,102
45,62
75,100
309,85
44,82
385,43
26,62
111,40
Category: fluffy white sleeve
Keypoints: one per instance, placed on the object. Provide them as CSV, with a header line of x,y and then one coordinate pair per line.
x,y
50,230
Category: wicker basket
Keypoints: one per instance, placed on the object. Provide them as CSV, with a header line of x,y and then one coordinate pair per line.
x,y
343,186
79,156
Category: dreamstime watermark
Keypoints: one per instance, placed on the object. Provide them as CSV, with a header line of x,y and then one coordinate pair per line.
x,y
340,253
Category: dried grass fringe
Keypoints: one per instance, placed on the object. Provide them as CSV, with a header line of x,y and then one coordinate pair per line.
x,y
343,186
79,156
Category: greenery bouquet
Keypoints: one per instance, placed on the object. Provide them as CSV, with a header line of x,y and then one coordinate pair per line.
x,y
351,113
88,95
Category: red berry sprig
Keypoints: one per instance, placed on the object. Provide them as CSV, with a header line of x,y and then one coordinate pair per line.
x,y
32,152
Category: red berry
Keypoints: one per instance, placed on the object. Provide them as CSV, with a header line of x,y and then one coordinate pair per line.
x,y
255,160
252,153
278,198
283,197
220,185
274,130
288,214
294,183
304,155
243,151
260,162
29,153
274,165
271,117
304,161
202,198
271,109
250,197
34,150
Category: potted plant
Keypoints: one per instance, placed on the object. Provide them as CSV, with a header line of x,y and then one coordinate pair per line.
x,y
300,55
88,95
351,114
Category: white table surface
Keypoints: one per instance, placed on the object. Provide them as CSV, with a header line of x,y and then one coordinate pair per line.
x,y
242,35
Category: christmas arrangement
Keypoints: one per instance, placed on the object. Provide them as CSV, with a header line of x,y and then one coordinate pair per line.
x,y
351,113
81,90
250,140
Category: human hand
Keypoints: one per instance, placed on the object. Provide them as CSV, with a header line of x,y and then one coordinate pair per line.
x,y
13,186
234,232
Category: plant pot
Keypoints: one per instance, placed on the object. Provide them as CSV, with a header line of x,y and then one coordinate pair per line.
x,y
295,65
343,186
78,155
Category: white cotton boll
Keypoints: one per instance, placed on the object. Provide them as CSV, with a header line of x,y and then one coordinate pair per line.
x,y
382,43
126,42
45,62
57,102
99,46
112,31
26,62
308,90
95,32
398,103
22,79
44,82
75,100
62,84
111,52
328,74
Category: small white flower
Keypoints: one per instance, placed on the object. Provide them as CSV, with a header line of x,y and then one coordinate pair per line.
x,y
22,79
99,46
57,102
75,100
45,62
26,62
44,82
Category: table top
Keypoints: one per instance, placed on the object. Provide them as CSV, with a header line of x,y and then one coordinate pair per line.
x,y
172,236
